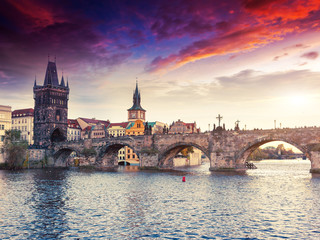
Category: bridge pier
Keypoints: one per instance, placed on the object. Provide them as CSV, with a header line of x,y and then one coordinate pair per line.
x,y
109,161
315,161
149,160
225,162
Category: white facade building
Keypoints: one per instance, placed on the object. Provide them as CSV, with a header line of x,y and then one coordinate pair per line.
x,y
5,124
117,129
22,120
74,130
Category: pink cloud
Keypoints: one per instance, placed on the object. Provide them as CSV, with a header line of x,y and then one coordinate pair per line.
x,y
276,58
235,42
310,55
3,75
261,22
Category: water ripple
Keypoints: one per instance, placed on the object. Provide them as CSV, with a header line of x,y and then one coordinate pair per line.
x,y
278,200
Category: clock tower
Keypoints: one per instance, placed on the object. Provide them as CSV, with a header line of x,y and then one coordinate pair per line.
x,y
136,112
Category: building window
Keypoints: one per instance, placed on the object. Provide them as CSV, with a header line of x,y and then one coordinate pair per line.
x,y
58,116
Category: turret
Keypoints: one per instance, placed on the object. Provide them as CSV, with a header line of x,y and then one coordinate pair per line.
x,y
62,84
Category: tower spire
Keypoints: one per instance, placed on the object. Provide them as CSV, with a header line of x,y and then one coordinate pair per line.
x,y
136,98
62,84
35,80
51,77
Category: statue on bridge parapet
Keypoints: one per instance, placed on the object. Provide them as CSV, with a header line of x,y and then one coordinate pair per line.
x,y
236,128
219,128
165,130
147,129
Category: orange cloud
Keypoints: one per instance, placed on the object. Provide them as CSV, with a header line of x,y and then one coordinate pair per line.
x,y
285,10
235,42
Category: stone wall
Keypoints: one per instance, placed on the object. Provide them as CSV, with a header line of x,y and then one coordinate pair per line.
x,y
37,158
149,160
2,158
226,150
315,163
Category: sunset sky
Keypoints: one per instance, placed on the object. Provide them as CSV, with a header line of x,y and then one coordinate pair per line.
x,y
252,60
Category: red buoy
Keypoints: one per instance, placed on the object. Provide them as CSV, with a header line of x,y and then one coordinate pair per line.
x,y
183,179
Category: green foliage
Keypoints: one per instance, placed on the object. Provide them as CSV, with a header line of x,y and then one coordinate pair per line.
x,y
271,153
258,154
89,152
44,161
4,165
185,152
15,149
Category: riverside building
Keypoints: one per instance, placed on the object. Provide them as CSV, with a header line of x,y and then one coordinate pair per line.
x,y
5,124
22,119
74,130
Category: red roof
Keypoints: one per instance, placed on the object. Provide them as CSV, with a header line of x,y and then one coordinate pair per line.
x,y
95,121
72,123
87,128
190,125
123,124
22,112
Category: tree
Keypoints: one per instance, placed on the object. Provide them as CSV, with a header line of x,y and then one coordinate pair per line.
x,y
258,154
185,152
15,149
89,152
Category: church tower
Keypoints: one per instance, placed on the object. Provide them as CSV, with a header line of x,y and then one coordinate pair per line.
x,y
136,112
50,108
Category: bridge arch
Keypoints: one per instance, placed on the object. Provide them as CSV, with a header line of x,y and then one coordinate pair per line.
x,y
245,152
108,155
60,157
57,135
166,157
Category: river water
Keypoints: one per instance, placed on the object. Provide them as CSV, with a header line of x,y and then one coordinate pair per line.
x,y
280,199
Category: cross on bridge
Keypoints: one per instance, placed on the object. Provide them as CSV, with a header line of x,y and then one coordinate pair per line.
x,y
219,119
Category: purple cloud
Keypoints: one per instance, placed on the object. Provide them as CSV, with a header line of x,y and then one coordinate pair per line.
x,y
276,58
310,55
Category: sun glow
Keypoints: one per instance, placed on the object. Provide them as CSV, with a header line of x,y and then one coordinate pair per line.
x,y
298,100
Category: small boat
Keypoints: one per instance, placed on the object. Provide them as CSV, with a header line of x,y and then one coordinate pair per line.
x,y
250,165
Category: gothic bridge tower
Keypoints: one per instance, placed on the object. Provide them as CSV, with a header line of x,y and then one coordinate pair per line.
x,y
50,108
136,112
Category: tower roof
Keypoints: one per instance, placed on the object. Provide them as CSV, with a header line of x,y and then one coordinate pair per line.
x,y
62,84
51,77
136,100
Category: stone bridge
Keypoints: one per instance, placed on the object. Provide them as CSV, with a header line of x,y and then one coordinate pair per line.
x,y
226,150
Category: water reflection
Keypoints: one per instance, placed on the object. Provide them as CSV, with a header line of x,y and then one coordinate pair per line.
x,y
277,200
48,204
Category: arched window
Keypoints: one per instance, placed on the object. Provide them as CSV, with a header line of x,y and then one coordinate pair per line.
x,y
58,116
